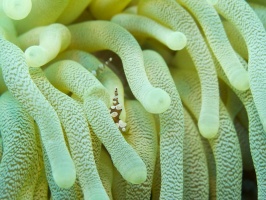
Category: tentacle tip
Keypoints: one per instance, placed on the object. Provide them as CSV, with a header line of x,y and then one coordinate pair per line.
x,y
208,127
136,175
177,41
36,56
156,101
241,82
65,175
17,9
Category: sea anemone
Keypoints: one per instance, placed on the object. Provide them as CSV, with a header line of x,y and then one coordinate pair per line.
x,y
141,99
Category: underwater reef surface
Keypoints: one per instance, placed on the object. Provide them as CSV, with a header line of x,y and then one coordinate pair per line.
x,y
132,99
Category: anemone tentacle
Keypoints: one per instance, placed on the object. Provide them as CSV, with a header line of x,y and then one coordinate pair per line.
x,y
19,83
64,74
143,138
171,128
17,126
241,15
106,35
144,27
75,125
71,69
165,13
225,145
196,184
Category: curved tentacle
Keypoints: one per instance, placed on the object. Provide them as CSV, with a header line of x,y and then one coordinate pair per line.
x,y
71,76
100,35
174,16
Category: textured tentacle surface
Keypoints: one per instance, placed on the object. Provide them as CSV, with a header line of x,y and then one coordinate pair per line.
x,y
225,145
75,125
19,83
41,189
165,13
171,128
96,98
256,136
245,146
105,75
97,55
219,43
128,163
241,15
260,12
100,35
196,176
17,168
57,192
236,39
143,138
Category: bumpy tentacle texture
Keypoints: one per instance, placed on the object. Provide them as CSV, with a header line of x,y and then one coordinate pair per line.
x,y
17,168
196,184
260,12
105,75
20,84
143,26
211,165
236,39
225,145
75,125
93,66
156,185
96,143
100,35
71,76
173,15
171,128
57,192
41,189
257,136
217,39
241,15
233,104
143,138
243,136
